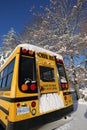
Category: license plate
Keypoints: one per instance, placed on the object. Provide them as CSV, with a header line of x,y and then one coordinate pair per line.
x,y
23,110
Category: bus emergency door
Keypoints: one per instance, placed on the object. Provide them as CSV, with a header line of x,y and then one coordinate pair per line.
x,y
48,89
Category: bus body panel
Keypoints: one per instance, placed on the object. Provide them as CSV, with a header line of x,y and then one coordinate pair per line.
x,y
39,120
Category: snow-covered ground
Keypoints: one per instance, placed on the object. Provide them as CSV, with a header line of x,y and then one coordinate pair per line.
x,y
77,121
79,117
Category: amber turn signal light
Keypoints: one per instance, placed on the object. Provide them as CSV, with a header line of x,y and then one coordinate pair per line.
x,y
24,87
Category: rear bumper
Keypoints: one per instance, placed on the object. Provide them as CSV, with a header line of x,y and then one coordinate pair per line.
x,y
40,120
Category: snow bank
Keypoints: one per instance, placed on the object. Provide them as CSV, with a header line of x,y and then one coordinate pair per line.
x,y
82,101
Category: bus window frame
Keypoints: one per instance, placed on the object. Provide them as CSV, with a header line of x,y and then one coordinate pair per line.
x,y
59,79
7,88
35,75
51,69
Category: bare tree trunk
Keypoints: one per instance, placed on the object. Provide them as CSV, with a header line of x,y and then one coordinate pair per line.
x,y
76,85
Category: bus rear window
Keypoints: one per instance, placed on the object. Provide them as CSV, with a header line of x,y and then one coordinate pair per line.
x,y
27,70
62,74
46,74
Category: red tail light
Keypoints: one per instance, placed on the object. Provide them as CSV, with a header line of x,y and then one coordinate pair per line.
x,y
65,97
18,104
33,104
24,51
60,60
33,87
28,52
63,86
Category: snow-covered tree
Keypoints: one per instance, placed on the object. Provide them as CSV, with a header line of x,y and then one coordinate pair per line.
x,y
59,30
9,43
10,40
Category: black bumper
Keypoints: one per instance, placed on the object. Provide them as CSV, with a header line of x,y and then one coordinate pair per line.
x,y
35,122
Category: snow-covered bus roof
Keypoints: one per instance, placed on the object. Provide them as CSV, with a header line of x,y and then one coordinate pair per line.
x,y
35,49
39,49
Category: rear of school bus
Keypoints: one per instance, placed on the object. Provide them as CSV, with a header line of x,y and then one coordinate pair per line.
x,y
35,97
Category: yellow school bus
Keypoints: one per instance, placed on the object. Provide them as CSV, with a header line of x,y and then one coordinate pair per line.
x,y
34,89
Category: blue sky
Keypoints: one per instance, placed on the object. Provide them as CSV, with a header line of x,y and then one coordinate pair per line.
x,y
15,13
